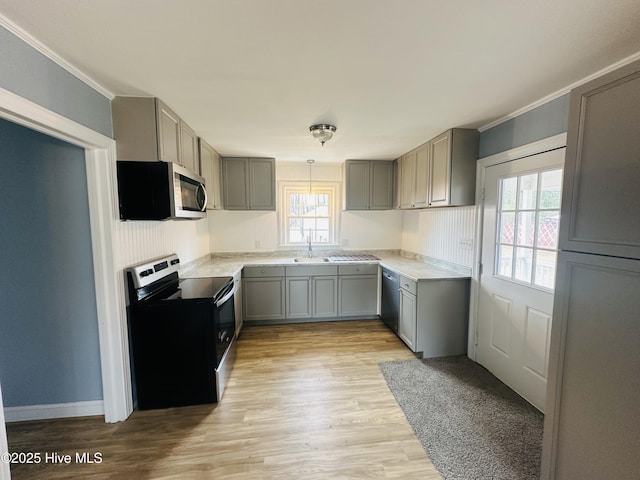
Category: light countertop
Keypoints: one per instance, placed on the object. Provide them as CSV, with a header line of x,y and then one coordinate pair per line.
x,y
221,266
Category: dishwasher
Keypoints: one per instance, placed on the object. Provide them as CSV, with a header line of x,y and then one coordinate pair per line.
x,y
390,303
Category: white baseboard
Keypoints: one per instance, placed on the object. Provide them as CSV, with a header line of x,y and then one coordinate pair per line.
x,y
55,410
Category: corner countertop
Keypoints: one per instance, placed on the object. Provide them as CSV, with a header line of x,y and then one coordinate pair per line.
x,y
229,265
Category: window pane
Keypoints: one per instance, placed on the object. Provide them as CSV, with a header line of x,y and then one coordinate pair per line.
x,y
295,204
296,232
548,229
504,260
321,236
528,192
551,189
507,221
524,263
545,268
526,228
508,188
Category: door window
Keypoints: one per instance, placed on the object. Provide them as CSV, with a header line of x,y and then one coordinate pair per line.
x,y
527,237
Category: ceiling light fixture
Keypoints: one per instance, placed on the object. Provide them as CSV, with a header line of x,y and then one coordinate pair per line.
x,y
322,132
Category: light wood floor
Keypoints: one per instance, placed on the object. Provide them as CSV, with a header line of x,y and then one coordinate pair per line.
x,y
305,401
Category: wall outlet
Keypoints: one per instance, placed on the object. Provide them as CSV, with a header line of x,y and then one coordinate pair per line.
x,y
257,243
345,242
466,243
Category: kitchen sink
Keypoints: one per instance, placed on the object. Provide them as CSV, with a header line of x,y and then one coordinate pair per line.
x,y
310,260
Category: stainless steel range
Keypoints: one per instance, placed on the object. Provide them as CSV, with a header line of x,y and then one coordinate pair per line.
x,y
181,335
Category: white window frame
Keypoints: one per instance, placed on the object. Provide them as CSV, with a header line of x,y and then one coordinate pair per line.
x,y
333,188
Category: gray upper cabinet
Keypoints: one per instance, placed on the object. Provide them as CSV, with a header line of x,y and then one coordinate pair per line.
x,y
452,168
249,183
210,170
600,201
369,184
168,133
189,148
146,129
441,172
414,169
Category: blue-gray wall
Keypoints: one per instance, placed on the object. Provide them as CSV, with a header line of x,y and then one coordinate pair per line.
x,y
49,350
30,74
544,121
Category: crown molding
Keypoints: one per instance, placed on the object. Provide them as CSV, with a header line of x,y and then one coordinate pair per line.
x,y
54,57
562,91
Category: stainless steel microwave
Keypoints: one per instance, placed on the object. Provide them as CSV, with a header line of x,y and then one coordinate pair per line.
x,y
159,191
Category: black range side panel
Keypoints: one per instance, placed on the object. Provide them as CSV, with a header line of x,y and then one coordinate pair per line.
x,y
173,354
144,190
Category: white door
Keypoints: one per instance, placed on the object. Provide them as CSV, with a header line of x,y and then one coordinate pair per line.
x,y
519,252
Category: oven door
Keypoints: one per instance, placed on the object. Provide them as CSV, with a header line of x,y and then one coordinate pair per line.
x,y
225,324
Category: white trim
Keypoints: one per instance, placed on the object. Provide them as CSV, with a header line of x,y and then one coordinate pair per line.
x,y
51,55
5,473
544,145
100,161
55,410
561,92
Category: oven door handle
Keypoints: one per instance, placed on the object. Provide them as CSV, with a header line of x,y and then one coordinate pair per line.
x,y
228,295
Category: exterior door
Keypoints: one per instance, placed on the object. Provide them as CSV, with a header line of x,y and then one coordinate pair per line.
x,y
519,253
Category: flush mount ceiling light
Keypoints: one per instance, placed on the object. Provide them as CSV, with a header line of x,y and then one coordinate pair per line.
x,y
322,132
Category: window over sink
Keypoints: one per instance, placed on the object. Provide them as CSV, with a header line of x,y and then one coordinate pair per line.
x,y
308,212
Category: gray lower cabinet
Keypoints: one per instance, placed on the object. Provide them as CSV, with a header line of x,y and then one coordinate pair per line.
x,y
312,291
358,290
263,293
407,318
434,316
249,183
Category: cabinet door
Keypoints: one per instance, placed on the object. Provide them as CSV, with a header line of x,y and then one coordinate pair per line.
x,y
381,185
440,170
600,201
592,422
408,318
407,180
264,298
210,170
325,297
262,184
298,297
357,295
189,148
168,124
422,176
357,184
235,177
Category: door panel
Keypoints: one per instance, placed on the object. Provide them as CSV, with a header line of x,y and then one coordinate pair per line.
x,y
519,250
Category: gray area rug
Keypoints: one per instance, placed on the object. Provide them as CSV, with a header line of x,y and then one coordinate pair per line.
x,y
471,424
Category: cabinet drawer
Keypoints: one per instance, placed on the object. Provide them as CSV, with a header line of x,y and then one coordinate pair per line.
x,y
358,269
408,284
311,270
256,272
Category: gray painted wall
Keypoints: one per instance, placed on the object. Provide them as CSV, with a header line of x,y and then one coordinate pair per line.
x,y
547,120
30,74
49,349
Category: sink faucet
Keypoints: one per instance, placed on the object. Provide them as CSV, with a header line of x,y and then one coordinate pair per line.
x,y
309,251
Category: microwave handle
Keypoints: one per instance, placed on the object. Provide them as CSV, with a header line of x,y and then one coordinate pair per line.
x,y
206,198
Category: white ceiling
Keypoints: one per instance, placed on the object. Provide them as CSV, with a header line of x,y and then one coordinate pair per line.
x,y
250,76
